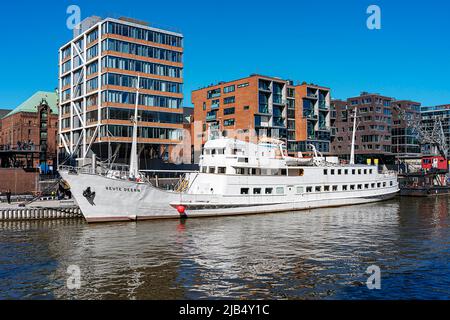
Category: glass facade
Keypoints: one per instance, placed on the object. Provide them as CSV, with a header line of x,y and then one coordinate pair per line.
x,y
142,34
141,66
141,50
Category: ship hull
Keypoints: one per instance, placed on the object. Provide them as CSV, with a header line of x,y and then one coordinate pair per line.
x,y
114,200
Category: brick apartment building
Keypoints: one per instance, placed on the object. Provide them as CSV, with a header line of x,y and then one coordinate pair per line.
x,y
259,106
381,133
99,68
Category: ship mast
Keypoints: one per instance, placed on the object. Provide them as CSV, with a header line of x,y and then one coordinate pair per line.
x,y
134,166
352,153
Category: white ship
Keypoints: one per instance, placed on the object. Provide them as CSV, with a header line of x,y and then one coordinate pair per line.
x,y
235,178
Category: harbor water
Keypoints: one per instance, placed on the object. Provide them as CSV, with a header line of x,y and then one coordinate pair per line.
x,y
318,254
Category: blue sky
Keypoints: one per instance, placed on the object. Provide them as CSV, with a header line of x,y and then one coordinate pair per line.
x,y
324,42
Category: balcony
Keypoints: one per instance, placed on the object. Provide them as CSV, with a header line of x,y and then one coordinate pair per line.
x,y
264,108
277,122
312,96
324,128
215,106
324,107
312,116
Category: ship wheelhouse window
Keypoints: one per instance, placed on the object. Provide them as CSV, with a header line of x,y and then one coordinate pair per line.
x,y
370,171
359,171
384,184
353,171
280,190
300,190
240,171
339,172
360,186
308,189
378,185
318,188
256,190
366,186
344,188
245,190
352,187
392,183
283,172
221,170
373,185
269,190
253,172
332,172
335,188
346,171
365,171
326,188
325,172
212,170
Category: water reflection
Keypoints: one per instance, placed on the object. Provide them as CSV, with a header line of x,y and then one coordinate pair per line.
x,y
305,255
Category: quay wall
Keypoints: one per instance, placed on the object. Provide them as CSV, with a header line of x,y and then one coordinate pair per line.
x,y
18,180
19,214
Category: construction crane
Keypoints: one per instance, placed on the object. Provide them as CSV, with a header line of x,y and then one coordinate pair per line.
x,y
435,138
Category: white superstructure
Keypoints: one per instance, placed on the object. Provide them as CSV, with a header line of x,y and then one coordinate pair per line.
x,y
235,178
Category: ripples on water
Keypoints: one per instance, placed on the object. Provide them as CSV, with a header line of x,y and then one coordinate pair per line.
x,y
319,254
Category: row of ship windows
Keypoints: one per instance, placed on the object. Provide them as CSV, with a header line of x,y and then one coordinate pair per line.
x,y
346,171
316,189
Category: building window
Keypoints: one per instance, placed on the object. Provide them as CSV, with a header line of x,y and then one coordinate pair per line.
x,y
229,111
229,89
245,191
229,100
228,122
246,107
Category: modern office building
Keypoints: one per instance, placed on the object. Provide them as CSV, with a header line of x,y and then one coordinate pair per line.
x,y
259,106
429,116
381,132
98,71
